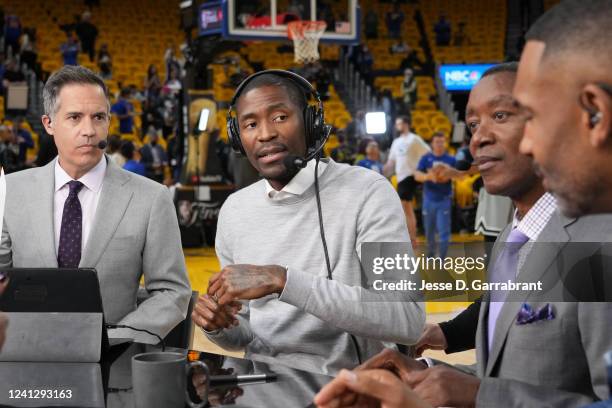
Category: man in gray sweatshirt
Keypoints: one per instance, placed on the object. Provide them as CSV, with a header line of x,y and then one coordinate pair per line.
x,y
273,296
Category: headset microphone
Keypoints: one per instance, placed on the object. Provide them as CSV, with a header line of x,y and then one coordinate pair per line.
x,y
102,144
294,163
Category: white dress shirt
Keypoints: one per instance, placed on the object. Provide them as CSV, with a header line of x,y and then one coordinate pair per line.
x,y
298,184
89,196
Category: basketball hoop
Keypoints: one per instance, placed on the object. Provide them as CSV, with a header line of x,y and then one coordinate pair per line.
x,y
305,36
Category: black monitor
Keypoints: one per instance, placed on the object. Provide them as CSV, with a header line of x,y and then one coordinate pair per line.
x,y
55,315
61,290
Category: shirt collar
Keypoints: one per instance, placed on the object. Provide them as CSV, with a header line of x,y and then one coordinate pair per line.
x,y
300,182
533,223
92,179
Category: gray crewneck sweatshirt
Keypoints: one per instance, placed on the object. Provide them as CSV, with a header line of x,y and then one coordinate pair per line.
x,y
307,326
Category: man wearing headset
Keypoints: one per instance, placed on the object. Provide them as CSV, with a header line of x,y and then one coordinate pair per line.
x,y
299,276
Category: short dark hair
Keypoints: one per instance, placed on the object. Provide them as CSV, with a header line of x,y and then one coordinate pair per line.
x,y
574,25
438,134
296,93
405,118
511,67
68,74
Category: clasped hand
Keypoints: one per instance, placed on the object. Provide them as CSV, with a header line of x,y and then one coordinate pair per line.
x,y
217,309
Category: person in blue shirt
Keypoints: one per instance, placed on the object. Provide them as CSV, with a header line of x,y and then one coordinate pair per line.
x,y
433,170
70,50
128,150
124,111
372,160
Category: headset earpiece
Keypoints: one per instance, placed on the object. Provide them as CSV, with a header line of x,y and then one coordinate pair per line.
x,y
595,118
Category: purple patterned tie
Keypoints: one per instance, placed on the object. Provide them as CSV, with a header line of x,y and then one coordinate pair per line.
x,y
69,253
505,270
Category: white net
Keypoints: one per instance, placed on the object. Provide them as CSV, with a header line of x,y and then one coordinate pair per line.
x,y
305,36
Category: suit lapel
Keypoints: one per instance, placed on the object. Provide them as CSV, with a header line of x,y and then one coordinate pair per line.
x,y
114,200
554,237
482,348
41,213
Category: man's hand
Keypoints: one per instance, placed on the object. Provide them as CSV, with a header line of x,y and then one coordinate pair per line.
x,y
211,316
432,339
393,361
443,386
367,388
239,282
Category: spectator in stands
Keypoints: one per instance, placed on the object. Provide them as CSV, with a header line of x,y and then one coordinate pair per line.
x,y
372,160
409,90
406,151
87,33
9,151
124,111
443,31
12,32
437,194
461,37
23,138
132,163
12,73
70,49
29,56
154,157
173,84
371,24
105,62
395,19
171,61
152,85
114,150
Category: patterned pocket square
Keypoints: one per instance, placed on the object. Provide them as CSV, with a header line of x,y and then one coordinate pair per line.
x,y
528,315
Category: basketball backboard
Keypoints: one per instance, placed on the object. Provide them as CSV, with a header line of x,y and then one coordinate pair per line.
x,y
268,19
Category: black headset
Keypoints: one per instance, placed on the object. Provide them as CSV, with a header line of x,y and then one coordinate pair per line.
x,y
316,131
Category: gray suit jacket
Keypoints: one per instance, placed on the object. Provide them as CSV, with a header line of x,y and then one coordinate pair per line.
x,y
135,232
549,363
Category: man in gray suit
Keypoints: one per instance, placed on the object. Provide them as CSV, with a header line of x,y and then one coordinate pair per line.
x,y
551,361
82,210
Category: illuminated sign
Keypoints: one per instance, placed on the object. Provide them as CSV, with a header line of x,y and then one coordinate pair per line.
x,y
462,77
